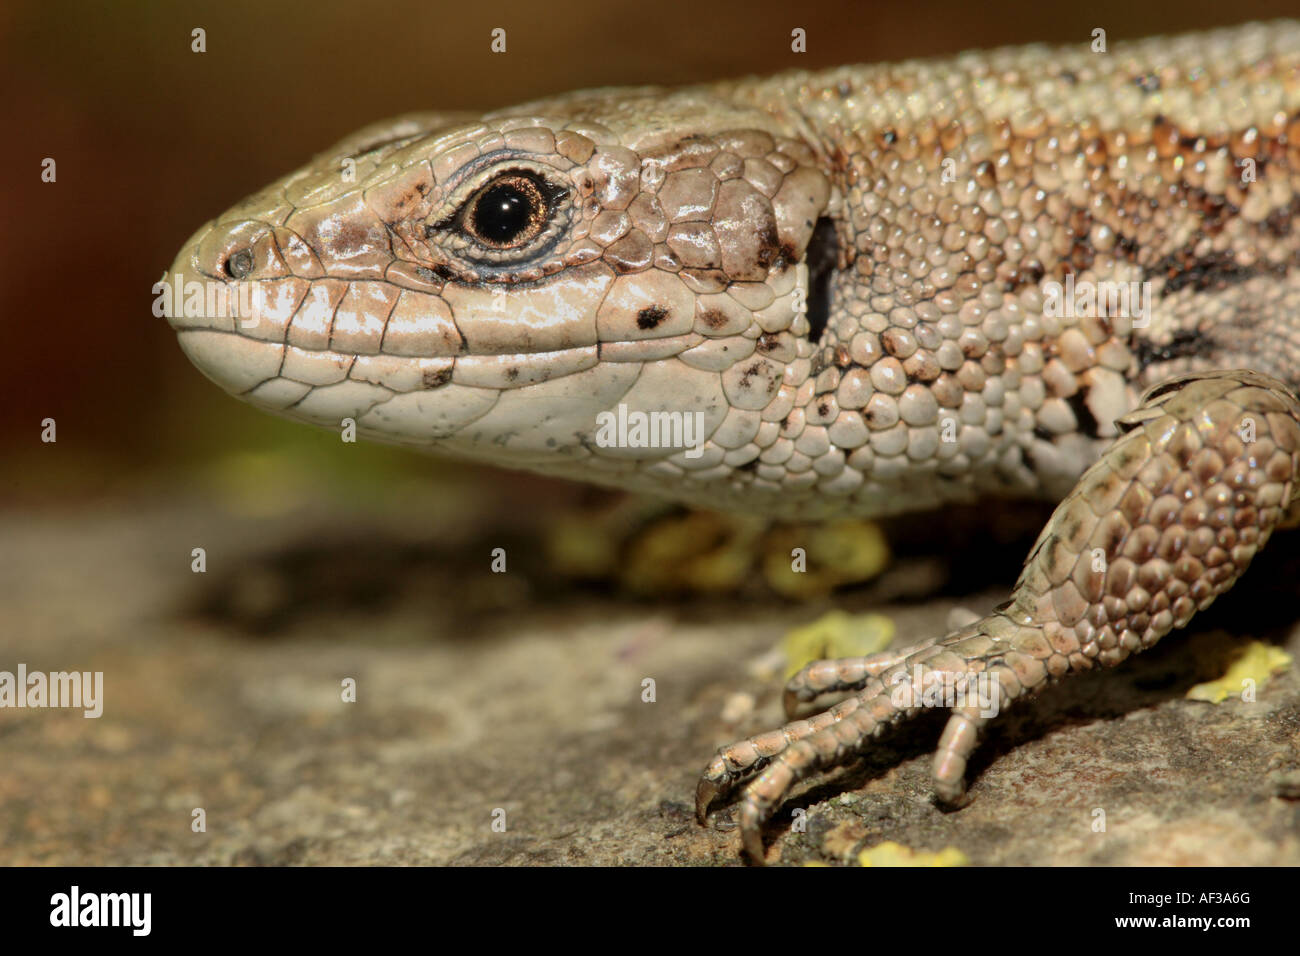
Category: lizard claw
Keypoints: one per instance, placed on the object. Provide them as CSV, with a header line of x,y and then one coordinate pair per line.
x,y
705,792
790,702
774,762
780,758
751,835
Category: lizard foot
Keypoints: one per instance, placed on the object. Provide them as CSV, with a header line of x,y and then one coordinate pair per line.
x,y
1165,522
974,671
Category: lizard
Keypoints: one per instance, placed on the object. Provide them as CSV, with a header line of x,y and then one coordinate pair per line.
x,y
866,285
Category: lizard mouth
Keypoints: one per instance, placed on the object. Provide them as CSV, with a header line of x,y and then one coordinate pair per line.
x,y
397,398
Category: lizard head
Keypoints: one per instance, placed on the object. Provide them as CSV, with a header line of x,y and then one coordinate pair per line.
x,y
506,287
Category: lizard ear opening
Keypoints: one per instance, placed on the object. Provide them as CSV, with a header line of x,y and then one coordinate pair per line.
x,y
822,256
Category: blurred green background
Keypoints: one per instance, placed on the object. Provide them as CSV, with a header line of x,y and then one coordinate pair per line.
x,y
151,140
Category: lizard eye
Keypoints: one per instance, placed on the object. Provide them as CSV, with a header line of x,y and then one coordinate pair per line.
x,y
496,222
507,212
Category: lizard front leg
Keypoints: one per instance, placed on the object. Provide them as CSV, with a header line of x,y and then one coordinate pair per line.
x,y
1160,526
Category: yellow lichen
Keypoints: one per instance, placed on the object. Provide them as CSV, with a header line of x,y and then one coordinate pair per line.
x,y
655,550
836,634
1253,666
702,552
830,555
894,854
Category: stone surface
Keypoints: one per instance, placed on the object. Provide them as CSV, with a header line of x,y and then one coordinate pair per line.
x,y
480,691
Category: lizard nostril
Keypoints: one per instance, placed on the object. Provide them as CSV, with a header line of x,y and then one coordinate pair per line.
x,y
239,265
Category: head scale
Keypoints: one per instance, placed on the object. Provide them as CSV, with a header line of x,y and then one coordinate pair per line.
x,y
507,287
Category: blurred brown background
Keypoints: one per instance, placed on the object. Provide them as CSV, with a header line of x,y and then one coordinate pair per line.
x,y
151,140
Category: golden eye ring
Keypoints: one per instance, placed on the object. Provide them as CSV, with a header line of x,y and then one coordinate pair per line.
x,y
506,213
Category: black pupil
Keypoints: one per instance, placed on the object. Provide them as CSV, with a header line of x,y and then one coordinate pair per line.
x,y
502,213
